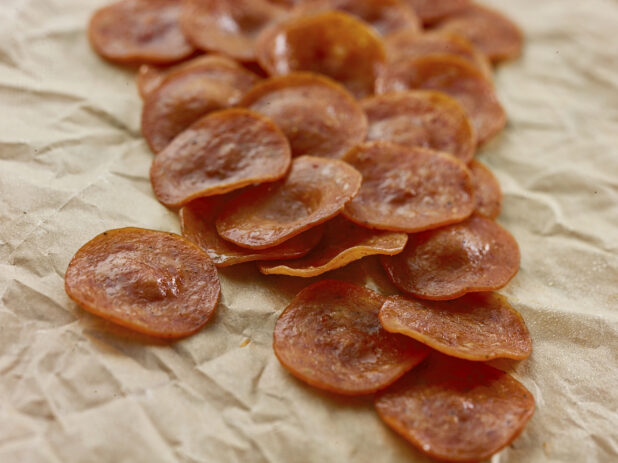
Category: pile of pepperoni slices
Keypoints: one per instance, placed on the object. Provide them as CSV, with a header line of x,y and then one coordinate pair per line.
x,y
307,134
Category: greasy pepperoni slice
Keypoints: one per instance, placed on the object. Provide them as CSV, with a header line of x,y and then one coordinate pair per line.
x,y
315,190
221,152
457,411
421,118
229,27
188,94
197,221
455,77
408,189
139,31
332,43
475,255
153,282
343,242
431,10
330,337
477,326
486,190
490,31
319,117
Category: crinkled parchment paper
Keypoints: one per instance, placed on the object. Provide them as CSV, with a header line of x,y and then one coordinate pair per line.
x,y
74,388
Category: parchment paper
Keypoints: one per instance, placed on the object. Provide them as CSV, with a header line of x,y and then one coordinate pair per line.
x,y
74,388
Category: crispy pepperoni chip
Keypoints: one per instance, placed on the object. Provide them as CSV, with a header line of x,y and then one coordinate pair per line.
x,y
421,118
455,77
197,221
139,31
319,117
343,242
408,189
432,10
152,282
188,94
315,190
475,255
486,190
457,411
477,326
330,337
490,31
332,43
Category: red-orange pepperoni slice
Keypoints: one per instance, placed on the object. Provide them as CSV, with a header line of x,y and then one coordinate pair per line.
x,y
422,118
152,282
139,31
432,10
319,117
330,337
475,255
457,411
486,190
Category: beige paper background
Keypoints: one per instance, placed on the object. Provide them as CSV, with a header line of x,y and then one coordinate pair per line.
x,y
74,388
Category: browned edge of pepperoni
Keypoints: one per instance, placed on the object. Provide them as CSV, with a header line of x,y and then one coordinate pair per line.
x,y
487,190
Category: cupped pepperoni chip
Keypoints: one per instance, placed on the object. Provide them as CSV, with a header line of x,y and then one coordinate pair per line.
x,y
422,118
456,411
229,27
319,117
152,282
408,189
432,10
222,152
455,77
477,326
475,255
486,190
188,94
330,337
343,242
139,31
315,190
332,43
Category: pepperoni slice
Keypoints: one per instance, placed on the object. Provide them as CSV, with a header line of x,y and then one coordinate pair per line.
x,y
486,190
139,31
421,118
319,117
315,190
408,189
457,411
490,31
223,151
229,27
455,77
330,337
332,43
475,255
477,326
197,221
432,10
152,282
188,94
343,242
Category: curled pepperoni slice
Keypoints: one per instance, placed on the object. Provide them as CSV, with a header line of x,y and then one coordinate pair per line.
x,y
315,190
139,31
223,151
408,189
332,43
343,242
455,77
152,282
319,117
188,94
475,255
432,10
197,220
330,337
486,190
457,411
421,118
477,326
